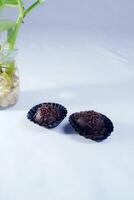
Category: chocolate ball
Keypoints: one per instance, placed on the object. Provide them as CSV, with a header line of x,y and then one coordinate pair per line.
x,y
91,125
48,115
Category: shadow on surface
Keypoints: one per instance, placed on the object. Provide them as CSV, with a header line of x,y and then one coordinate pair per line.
x,y
68,129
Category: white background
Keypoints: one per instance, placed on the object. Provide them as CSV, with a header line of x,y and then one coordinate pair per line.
x,y
79,54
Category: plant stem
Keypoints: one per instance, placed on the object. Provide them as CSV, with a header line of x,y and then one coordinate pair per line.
x,y
18,23
31,7
22,14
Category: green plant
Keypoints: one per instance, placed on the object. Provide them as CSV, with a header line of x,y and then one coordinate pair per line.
x,y
12,27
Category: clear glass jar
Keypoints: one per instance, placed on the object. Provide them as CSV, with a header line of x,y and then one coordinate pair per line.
x,y
9,79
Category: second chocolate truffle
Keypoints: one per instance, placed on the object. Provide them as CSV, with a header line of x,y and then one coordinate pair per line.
x,y
91,125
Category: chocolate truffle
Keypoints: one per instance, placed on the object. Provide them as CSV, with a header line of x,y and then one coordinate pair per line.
x,y
48,115
91,125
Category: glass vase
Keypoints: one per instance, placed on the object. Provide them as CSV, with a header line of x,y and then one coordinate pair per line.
x,y
9,79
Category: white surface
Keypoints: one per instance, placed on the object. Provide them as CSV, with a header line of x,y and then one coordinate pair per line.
x,y
68,63
79,73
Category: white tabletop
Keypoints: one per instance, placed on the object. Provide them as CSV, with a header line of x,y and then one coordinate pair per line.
x,y
81,72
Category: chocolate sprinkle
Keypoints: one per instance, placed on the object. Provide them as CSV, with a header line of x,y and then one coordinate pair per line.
x,y
91,125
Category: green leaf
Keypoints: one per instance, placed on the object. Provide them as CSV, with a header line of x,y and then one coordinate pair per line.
x,y
8,3
1,3
5,25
